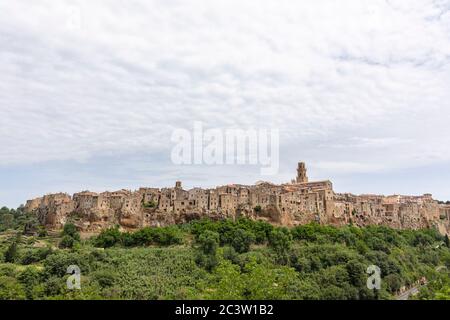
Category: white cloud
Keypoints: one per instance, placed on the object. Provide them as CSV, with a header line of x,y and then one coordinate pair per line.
x,y
346,82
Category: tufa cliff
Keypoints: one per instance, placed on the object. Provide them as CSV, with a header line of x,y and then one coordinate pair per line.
x,y
290,204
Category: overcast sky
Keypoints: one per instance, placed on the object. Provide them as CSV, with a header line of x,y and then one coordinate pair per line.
x,y
91,91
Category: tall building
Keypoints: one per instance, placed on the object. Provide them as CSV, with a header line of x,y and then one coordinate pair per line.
x,y
301,173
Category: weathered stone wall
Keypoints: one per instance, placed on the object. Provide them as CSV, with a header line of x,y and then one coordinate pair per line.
x,y
288,204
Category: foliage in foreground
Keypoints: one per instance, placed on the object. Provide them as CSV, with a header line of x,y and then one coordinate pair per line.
x,y
240,259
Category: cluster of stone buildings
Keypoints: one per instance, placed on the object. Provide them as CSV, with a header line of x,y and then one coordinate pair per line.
x,y
294,203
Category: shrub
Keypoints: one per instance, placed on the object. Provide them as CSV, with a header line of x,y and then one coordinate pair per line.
x,y
11,253
104,278
242,240
42,232
280,240
69,235
11,289
143,237
394,282
30,256
71,230
30,278
313,231
108,238
208,243
230,254
167,236
56,264
67,242
151,204
356,273
8,270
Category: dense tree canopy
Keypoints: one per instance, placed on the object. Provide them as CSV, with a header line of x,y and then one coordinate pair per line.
x,y
226,259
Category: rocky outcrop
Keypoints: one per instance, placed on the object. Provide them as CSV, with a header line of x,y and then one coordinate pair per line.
x,y
288,204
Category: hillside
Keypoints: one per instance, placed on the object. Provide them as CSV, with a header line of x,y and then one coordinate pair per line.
x,y
224,260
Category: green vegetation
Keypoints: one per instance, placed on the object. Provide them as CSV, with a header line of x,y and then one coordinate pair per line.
x,y
16,219
143,237
10,254
70,236
151,204
240,259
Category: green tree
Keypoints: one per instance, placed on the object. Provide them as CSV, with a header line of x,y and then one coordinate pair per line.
x,y
69,235
11,289
71,230
105,278
67,242
229,284
109,237
11,252
443,294
263,282
42,232
151,204
280,240
6,221
30,278
394,282
356,273
242,240
208,243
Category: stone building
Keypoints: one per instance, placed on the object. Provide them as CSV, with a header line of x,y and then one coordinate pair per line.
x,y
290,204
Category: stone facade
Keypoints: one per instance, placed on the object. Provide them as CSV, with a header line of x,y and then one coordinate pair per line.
x,y
290,204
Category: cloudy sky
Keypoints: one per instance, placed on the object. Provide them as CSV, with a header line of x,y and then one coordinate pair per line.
x,y
91,91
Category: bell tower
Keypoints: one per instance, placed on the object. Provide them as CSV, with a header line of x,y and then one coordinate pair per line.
x,y
301,173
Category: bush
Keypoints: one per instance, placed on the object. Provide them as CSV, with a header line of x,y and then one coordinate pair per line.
x,y
208,243
71,230
8,270
30,278
151,204
143,237
242,240
167,236
11,289
230,254
104,278
42,232
69,235
314,231
280,241
394,282
56,264
356,273
30,256
67,242
108,238
11,253
260,229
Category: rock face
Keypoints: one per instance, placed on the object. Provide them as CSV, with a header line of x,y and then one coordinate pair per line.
x,y
295,203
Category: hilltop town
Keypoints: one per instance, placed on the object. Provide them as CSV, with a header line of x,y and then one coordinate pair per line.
x,y
297,202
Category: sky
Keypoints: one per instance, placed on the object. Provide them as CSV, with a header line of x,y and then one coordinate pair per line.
x,y
91,92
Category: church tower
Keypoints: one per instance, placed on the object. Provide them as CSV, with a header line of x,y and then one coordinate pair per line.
x,y
301,173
